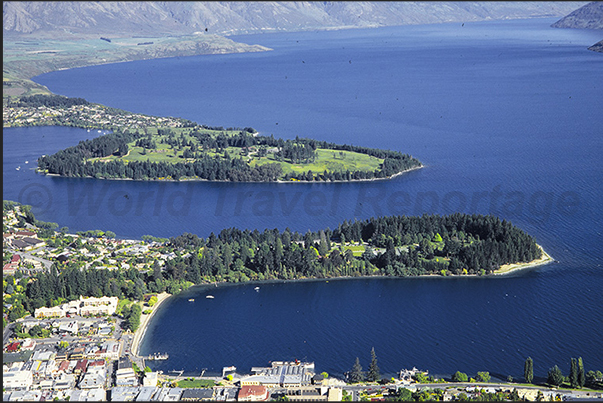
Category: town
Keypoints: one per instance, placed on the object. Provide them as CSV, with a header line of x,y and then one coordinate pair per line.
x,y
86,348
80,114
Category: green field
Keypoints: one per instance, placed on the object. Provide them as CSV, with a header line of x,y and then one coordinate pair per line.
x,y
326,160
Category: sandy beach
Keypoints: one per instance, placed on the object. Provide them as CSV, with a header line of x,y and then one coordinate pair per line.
x,y
509,268
144,322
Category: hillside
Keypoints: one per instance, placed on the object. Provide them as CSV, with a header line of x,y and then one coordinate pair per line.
x,y
589,16
78,20
597,47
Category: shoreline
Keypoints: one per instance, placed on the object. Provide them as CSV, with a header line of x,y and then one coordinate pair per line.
x,y
144,323
228,181
514,267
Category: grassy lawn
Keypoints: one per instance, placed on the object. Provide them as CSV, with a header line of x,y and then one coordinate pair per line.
x,y
330,160
196,383
357,250
326,159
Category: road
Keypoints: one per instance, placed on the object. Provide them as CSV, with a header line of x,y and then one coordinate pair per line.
x,y
29,255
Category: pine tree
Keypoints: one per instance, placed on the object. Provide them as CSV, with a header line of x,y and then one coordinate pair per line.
x,y
373,372
356,375
573,376
528,370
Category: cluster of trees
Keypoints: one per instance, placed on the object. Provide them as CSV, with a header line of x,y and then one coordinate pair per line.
x,y
55,101
73,162
356,374
481,376
577,377
131,314
68,282
242,255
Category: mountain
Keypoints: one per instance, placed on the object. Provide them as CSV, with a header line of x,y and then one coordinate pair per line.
x,y
589,16
87,19
597,47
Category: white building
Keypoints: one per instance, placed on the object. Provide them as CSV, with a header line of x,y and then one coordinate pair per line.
x,y
17,379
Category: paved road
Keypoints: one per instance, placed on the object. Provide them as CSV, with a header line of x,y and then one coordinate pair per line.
x,y
29,255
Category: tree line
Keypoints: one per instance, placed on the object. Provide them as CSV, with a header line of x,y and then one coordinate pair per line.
x,y
480,244
220,166
54,101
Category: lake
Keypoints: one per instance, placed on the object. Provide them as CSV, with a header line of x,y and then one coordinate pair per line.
x,y
506,116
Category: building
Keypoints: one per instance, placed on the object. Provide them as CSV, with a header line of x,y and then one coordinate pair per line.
x,y
94,378
150,379
17,380
54,312
197,395
253,393
281,373
315,393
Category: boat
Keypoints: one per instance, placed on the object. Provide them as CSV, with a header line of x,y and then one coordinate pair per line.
x,y
209,296
27,162
17,168
191,300
158,357
257,288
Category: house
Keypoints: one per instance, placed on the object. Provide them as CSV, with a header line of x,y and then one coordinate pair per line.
x,y
253,393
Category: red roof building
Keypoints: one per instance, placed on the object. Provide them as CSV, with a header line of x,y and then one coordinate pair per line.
x,y
12,347
80,366
253,393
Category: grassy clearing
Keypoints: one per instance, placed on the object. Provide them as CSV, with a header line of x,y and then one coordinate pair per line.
x,y
330,160
326,160
196,383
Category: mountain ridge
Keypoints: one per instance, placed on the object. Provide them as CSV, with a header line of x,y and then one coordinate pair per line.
x,y
63,20
589,16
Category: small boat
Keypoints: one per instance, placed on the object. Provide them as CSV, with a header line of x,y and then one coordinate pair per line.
x,y
209,296
17,168
257,288
191,300
27,162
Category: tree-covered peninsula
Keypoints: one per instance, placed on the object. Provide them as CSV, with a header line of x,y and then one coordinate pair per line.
x,y
395,246
141,147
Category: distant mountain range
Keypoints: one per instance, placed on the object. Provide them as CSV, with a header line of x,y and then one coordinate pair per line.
x,y
589,16
86,19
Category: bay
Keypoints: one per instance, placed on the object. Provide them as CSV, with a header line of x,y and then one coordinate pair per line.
x,y
506,118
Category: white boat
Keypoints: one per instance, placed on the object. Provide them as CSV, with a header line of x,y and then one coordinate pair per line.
x,y
17,168
209,296
27,162
257,288
191,300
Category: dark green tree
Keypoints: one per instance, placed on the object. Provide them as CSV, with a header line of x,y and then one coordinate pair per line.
x,y
356,375
404,395
373,371
581,375
555,376
573,375
528,370
483,376
459,377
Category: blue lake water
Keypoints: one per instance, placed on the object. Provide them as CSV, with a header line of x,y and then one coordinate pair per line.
x,y
506,116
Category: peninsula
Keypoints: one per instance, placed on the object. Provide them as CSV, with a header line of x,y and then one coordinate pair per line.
x,y
143,147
